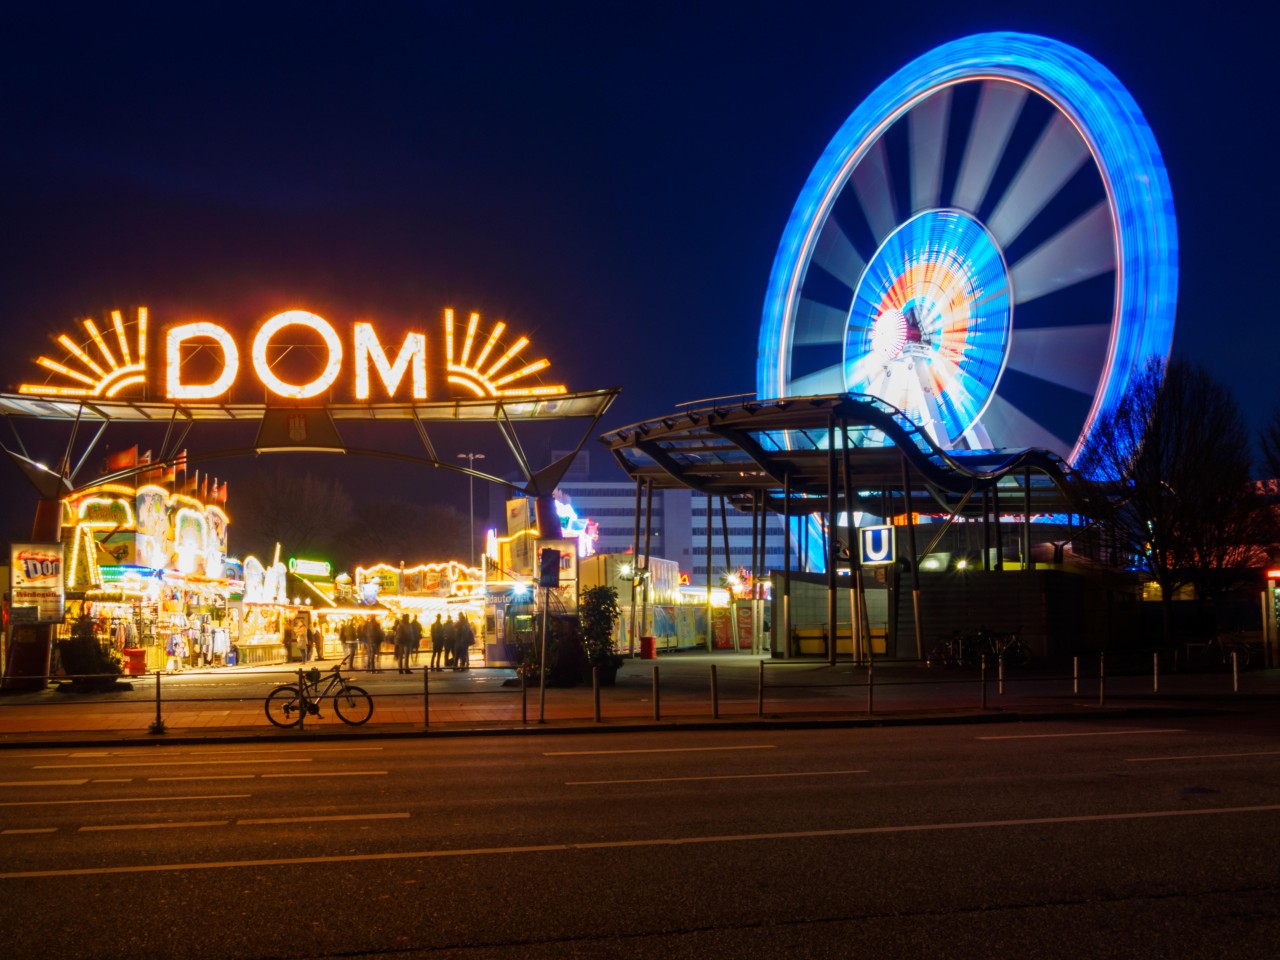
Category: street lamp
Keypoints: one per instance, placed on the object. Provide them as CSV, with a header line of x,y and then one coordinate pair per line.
x,y
471,459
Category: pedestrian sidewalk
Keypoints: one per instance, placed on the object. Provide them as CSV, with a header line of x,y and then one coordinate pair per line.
x,y
678,690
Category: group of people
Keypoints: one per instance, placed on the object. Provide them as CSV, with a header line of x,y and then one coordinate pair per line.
x,y
451,641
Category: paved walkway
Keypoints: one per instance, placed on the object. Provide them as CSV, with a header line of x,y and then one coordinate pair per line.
x,y
228,703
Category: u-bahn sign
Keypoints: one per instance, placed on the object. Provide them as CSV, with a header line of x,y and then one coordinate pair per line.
x,y
202,361
876,545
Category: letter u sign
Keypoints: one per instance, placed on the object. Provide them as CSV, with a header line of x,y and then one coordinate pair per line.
x,y
877,545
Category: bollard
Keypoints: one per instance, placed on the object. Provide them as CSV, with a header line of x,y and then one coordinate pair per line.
x,y
982,663
1102,679
302,701
715,695
426,699
524,699
1235,673
760,692
595,690
870,684
1000,675
1075,674
657,695
1155,672
157,726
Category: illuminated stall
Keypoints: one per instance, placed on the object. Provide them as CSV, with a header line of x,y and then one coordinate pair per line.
x,y
146,564
424,591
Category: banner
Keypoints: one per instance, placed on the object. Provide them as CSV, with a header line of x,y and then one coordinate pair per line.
x,y
36,580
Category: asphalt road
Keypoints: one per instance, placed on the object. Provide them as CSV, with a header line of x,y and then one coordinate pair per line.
x,y
1117,838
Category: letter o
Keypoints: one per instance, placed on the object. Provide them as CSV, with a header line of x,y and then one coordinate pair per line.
x,y
327,334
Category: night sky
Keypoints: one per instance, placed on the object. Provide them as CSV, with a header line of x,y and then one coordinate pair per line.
x,y
611,179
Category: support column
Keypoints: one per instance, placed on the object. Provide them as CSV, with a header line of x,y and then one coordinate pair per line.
x,y
1026,519
634,633
710,631
856,633
648,539
915,560
833,553
786,564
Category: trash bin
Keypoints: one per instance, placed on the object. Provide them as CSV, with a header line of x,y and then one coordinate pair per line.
x,y
648,648
135,661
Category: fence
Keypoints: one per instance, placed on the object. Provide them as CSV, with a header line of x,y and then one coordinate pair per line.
x,y
727,687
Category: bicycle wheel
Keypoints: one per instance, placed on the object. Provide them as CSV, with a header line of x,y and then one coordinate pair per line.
x,y
1017,653
284,706
353,705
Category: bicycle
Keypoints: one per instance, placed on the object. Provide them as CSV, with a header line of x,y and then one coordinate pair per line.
x,y
287,704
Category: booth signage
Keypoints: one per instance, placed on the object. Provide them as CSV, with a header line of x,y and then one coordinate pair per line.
x,y
876,545
309,568
36,580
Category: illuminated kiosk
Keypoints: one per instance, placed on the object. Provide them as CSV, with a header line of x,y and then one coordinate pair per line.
x,y
282,390
146,569
981,261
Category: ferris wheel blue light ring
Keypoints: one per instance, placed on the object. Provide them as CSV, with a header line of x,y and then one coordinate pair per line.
x,y
1123,148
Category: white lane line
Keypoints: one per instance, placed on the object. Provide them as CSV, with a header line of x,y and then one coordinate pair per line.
x,y
1206,756
329,819
116,780
153,826
1096,733
17,830
727,776
42,783
619,844
66,803
602,753
161,763
211,776
340,773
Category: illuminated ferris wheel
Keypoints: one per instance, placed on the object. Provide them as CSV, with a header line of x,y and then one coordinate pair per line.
x,y
988,244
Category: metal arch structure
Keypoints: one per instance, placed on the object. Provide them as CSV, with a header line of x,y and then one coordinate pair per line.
x,y
733,450
308,428
1093,118
800,456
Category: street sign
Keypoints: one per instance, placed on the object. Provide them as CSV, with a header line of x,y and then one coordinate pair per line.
x,y
876,545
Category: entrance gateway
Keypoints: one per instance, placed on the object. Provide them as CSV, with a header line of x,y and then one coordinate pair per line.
x,y
300,386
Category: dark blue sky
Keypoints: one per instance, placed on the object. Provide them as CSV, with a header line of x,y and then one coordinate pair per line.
x,y
612,179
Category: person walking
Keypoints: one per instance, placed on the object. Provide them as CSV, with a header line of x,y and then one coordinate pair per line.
x,y
373,637
437,643
350,639
465,637
315,642
415,639
404,642
450,643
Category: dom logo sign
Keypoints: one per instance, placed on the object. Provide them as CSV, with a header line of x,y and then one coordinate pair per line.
x,y
202,360
876,545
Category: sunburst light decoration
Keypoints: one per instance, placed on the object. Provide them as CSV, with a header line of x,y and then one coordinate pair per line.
x,y
98,368
493,380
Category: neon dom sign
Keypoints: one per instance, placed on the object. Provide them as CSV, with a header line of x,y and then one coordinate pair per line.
x,y
114,361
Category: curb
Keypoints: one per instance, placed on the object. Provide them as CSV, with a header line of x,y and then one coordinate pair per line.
x,y
557,728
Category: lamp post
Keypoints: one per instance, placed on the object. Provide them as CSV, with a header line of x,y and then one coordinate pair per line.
x,y
471,459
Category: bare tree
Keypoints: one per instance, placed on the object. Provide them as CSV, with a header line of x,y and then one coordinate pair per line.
x,y
304,513
1169,477
393,530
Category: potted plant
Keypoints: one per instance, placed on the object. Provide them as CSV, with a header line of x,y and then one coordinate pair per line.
x,y
597,617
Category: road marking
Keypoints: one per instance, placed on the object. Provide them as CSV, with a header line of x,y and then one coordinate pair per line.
x,y
211,776
728,776
42,783
116,780
153,826
352,816
619,844
63,803
339,773
1096,733
16,830
1206,756
161,763
602,753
